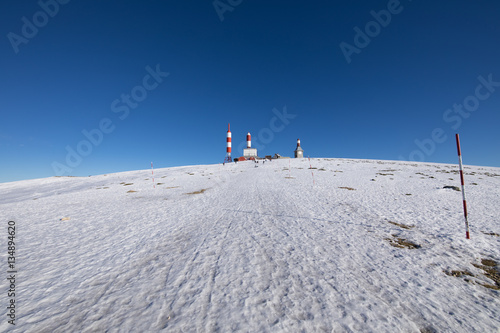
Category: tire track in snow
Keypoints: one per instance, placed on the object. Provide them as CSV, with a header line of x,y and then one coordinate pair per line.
x,y
234,256
325,245
281,280
241,263
168,313
289,281
193,286
265,267
207,305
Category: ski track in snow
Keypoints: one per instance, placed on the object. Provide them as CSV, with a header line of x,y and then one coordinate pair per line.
x,y
257,251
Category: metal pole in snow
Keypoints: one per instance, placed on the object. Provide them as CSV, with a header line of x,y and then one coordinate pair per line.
x,y
463,189
310,167
152,174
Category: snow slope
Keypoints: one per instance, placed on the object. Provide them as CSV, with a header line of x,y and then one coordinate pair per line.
x,y
261,249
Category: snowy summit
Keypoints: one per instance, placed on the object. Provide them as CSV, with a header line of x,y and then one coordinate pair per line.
x,y
344,246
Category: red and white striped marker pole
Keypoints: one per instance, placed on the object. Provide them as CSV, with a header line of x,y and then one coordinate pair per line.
x,y
310,167
152,174
463,189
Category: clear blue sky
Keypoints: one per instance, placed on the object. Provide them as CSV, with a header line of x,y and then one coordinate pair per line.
x,y
74,66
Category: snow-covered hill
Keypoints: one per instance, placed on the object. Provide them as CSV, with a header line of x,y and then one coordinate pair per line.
x,y
370,246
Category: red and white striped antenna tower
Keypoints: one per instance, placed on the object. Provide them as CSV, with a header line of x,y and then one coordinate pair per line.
x,y
228,145
249,140
463,189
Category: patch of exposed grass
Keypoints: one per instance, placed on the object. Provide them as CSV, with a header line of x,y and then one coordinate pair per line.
x,y
458,273
404,226
491,233
402,243
347,188
198,192
446,171
131,191
385,174
491,271
455,188
488,262
127,184
159,183
424,175
491,174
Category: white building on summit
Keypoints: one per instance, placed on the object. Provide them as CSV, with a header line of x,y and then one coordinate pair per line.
x,y
299,152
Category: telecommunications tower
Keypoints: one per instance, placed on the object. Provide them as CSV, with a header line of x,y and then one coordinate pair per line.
x,y
228,145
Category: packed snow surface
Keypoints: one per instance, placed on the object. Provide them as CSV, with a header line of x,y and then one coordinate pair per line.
x,y
347,246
